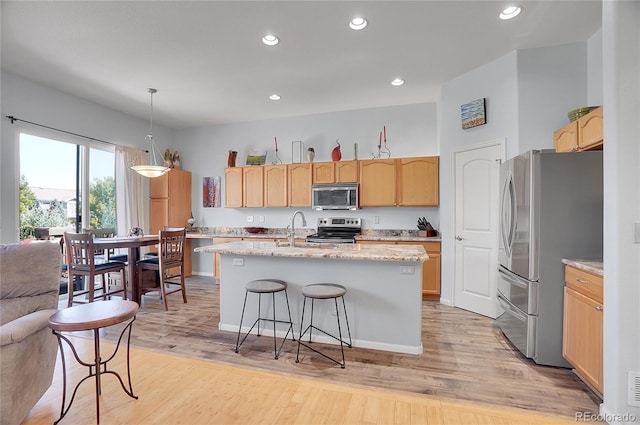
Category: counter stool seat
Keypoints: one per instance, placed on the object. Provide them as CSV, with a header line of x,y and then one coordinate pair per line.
x,y
266,286
324,291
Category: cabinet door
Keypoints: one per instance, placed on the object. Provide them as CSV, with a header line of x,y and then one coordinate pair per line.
x,y
158,214
233,187
418,181
275,186
582,336
179,189
252,186
346,171
159,186
377,183
323,172
590,130
566,138
299,185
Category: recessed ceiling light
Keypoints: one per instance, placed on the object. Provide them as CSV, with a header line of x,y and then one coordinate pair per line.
x,y
357,23
270,40
274,97
397,82
510,12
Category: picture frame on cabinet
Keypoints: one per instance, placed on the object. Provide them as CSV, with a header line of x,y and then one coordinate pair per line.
x,y
256,158
473,113
211,192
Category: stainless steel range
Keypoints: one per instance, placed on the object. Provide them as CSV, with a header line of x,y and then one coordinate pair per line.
x,y
337,230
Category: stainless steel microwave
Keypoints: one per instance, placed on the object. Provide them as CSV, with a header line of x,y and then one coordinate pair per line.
x,y
338,196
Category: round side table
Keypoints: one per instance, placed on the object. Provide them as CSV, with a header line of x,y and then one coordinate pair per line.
x,y
93,316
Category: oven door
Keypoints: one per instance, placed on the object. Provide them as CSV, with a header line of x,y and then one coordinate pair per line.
x,y
518,327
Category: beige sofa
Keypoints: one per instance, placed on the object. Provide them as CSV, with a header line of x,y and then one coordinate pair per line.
x,y
29,286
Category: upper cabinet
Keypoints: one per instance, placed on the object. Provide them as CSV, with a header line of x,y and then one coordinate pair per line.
x,y
418,181
405,182
377,182
170,199
335,172
275,186
299,185
583,134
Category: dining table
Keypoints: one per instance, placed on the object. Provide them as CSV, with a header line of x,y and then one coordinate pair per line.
x,y
133,245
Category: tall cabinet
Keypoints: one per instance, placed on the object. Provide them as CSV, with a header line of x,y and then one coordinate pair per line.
x,y
170,205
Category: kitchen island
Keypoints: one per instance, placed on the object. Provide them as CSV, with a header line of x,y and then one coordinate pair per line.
x,y
383,284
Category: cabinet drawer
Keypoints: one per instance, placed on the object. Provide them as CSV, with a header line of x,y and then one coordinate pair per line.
x,y
584,283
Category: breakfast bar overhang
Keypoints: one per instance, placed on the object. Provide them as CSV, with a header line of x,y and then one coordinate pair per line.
x,y
383,282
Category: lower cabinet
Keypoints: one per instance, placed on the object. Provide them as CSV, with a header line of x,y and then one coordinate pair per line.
x,y
430,268
582,326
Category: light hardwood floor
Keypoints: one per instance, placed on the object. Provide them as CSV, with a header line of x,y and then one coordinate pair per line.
x,y
178,390
465,357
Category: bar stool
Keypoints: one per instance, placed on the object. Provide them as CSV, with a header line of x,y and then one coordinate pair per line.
x,y
266,286
324,291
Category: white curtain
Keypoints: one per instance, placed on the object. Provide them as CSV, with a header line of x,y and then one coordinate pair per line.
x,y
129,190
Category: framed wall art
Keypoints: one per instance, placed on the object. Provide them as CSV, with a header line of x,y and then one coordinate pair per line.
x,y
473,113
211,192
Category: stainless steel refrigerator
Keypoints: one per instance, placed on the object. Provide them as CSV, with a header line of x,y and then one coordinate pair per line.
x,y
551,208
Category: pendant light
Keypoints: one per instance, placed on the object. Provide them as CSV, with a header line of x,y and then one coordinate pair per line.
x,y
154,170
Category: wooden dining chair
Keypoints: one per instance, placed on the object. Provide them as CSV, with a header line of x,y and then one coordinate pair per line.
x,y
81,261
109,255
170,258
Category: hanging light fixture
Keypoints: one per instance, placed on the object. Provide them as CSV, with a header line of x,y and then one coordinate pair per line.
x,y
154,170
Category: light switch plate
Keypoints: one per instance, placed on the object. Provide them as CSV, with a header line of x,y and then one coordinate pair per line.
x,y
249,219
238,261
636,232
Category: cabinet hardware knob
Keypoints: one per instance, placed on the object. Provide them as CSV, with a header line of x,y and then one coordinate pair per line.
x,y
599,308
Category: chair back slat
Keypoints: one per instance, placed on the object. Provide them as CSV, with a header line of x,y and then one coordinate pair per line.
x,y
171,246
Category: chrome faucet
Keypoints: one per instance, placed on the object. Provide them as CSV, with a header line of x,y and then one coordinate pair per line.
x,y
291,225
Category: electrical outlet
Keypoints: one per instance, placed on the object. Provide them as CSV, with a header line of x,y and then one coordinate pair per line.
x,y
636,232
407,270
376,219
261,219
634,388
249,219
238,261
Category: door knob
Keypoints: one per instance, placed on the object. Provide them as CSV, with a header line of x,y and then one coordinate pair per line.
x,y
458,238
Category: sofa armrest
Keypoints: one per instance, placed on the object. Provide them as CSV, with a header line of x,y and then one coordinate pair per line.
x,y
20,328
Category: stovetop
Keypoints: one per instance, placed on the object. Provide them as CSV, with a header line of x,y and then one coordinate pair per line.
x,y
337,230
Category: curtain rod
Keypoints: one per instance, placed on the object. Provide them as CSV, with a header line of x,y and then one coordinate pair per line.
x,y
14,119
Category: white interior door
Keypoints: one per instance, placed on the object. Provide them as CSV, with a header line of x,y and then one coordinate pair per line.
x,y
477,173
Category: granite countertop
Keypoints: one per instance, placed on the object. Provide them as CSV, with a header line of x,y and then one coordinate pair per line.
x,y
405,253
382,235
590,266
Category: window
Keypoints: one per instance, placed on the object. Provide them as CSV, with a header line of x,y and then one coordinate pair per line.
x,y
55,175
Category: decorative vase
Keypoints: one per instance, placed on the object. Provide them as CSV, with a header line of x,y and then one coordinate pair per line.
x,y
310,154
231,160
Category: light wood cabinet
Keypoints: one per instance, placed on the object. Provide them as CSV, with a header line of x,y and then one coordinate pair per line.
x,y
377,182
252,190
582,343
275,186
299,185
407,182
418,181
585,133
335,172
430,268
170,205
233,187
590,134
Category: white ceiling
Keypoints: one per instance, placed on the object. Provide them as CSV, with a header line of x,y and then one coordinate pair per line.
x,y
208,63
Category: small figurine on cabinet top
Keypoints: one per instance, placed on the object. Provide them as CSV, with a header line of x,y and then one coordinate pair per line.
x,y
171,159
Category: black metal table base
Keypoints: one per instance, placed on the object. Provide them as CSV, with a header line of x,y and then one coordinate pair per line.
x,y
94,369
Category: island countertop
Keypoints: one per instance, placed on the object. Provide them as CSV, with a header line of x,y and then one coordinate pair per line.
x,y
344,251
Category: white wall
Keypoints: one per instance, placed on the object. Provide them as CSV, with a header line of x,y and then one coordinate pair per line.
x,y
37,103
621,92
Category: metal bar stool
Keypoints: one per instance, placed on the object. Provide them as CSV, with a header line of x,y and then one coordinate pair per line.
x,y
266,286
324,291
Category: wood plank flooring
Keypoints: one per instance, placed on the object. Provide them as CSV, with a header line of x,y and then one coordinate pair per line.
x,y
466,358
178,390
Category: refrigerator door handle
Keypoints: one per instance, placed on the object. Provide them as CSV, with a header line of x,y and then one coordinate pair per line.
x,y
508,214
508,277
508,309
